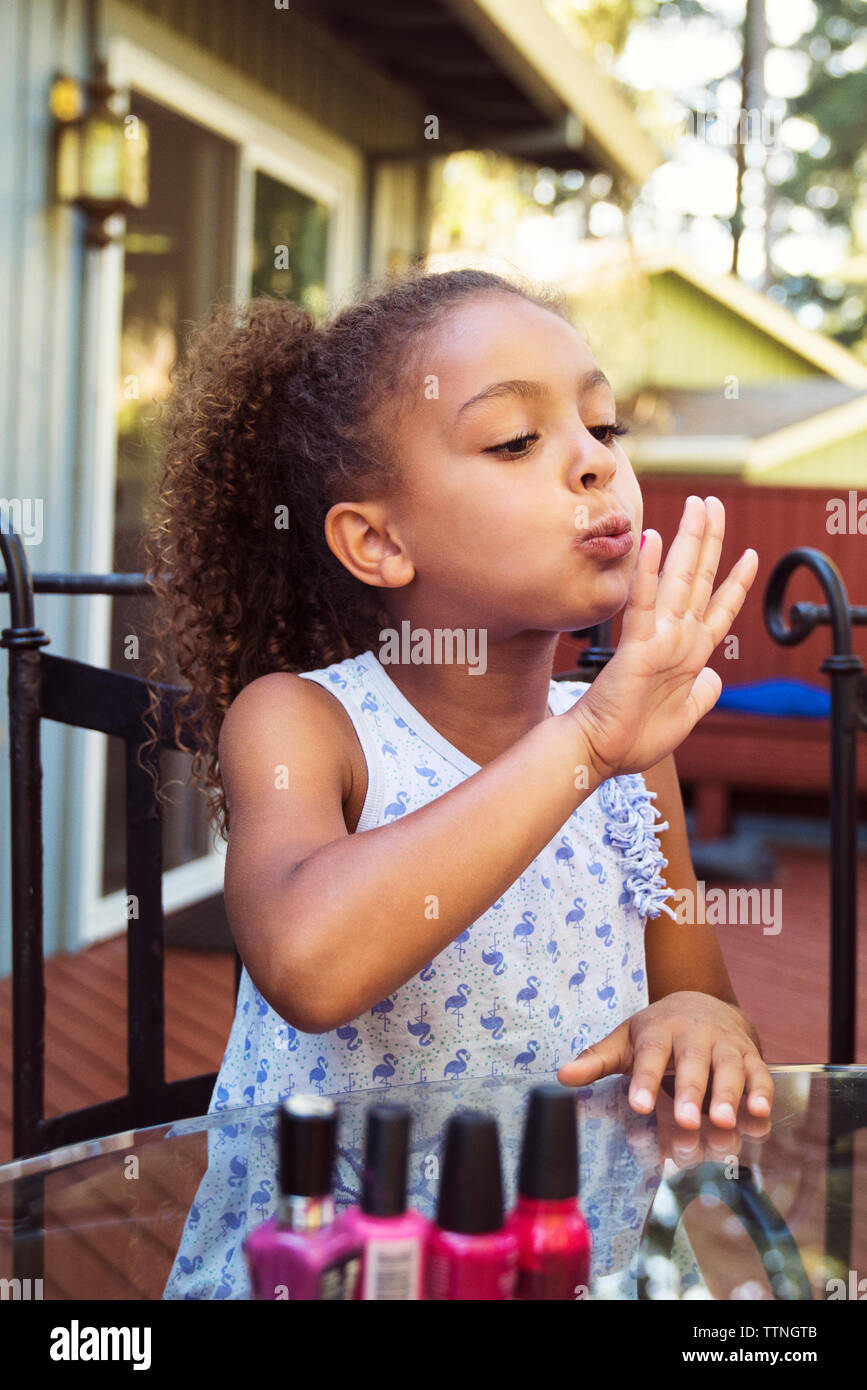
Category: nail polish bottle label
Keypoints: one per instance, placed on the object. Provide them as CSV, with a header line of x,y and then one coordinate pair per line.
x,y
338,1280
392,1270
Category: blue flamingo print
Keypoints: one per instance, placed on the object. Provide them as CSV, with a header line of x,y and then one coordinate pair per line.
x,y
428,972
369,702
625,897
346,1033
579,1042
625,961
260,1197
385,1070
429,774
566,854
597,870
579,977
291,1037
555,1015
336,679
419,1029
224,1290
492,1022
261,1006
264,1134
400,723
459,942
318,1074
398,807
262,1073
238,1168
576,916
233,1220
287,1091
547,884
383,1008
494,958
190,1266
605,933
458,1002
222,1097
607,993
552,950
638,977
495,907
529,993
459,1065
390,749
525,929
526,1059
250,1094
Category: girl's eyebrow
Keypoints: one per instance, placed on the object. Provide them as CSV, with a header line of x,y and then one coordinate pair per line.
x,y
532,389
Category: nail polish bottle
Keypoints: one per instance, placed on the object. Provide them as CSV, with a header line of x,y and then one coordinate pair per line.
x,y
547,1221
472,1255
394,1237
304,1251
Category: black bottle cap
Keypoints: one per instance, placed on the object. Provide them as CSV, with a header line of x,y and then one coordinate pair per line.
x,y
386,1151
307,1139
549,1152
471,1181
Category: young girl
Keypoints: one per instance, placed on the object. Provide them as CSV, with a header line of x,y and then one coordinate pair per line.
x,y
441,862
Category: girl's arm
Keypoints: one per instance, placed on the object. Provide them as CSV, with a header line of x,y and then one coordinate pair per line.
x,y
329,923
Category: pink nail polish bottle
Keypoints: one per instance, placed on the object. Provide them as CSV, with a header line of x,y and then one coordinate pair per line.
x,y
304,1251
394,1238
547,1221
472,1255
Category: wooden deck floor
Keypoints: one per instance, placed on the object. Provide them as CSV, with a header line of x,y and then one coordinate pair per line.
x,y
781,982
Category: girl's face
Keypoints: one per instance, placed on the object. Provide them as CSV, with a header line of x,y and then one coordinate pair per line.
x,y
508,457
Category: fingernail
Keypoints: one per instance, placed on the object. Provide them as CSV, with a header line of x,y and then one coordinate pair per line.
x,y
689,1110
643,1098
725,1112
641,542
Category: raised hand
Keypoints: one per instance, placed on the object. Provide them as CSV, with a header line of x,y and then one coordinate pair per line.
x,y
657,686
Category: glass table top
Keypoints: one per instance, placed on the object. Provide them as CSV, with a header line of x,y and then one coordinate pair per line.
x,y
775,1209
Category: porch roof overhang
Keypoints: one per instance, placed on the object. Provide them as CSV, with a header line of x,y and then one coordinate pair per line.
x,y
498,74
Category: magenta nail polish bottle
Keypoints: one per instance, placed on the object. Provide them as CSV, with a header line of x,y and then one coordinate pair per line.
x,y
471,1254
394,1237
304,1251
547,1221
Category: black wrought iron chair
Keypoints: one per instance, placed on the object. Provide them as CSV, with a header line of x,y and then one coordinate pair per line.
x,y
43,686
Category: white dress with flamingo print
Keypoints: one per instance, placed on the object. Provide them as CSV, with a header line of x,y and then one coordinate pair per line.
x,y
552,966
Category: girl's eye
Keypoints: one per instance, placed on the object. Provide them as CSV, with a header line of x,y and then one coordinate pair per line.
x,y
508,449
607,433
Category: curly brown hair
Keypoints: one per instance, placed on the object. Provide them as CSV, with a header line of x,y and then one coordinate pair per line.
x,y
272,417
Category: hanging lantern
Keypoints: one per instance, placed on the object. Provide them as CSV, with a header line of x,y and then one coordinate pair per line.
x,y
102,156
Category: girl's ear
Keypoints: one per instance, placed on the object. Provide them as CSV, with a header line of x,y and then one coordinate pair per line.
x,y
367,545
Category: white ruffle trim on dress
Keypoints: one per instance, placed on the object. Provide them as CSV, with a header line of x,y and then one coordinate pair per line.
x,y
630,827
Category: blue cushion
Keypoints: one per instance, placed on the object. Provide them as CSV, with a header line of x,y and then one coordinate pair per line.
x,y
781,697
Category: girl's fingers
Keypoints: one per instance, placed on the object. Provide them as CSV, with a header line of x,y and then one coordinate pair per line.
x,y
639,615
729,1077
678,572
692,1062
708,560
760,1086
728,600
652,1054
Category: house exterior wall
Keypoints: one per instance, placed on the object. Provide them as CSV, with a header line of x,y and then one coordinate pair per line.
x,y
699,342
